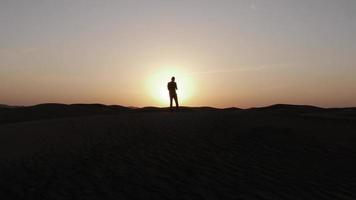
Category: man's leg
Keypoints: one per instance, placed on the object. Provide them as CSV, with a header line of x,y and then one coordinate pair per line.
x,y
176,101
171,101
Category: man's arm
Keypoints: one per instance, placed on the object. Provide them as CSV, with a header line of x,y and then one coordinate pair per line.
x,y
176,86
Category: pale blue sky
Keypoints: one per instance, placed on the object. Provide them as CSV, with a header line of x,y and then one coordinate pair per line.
x,y
249,52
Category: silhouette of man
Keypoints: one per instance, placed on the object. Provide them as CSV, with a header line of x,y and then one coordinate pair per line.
x,y
172,87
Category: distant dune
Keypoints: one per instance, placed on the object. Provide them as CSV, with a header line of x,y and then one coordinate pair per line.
x,y
12,114
79,151
52,111
6,106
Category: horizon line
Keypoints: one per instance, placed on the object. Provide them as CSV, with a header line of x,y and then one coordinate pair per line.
x,y
152,106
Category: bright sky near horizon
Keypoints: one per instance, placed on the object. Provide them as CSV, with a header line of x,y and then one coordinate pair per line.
x,y
224,53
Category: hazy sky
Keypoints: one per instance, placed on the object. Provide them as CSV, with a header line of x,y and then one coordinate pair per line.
x,y
223,53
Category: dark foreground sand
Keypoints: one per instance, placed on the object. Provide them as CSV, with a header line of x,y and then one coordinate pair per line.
x,y
192,154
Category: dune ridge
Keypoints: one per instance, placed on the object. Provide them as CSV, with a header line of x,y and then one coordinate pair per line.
x,y
13,114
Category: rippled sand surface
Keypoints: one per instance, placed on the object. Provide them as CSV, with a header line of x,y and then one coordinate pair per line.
x,y
226,154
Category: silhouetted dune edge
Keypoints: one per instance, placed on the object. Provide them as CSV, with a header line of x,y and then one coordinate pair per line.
x,y
98,105
12,114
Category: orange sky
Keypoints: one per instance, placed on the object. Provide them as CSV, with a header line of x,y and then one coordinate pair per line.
x,y
223,53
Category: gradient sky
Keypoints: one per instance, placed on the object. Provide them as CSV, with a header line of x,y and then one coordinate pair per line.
x,y
241,53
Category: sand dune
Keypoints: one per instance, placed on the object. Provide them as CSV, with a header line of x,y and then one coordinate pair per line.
x,y
279,152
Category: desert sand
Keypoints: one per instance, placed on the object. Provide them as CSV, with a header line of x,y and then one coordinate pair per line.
x,y
87,152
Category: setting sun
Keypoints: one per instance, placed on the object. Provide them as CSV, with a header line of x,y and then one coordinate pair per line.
x,y
156,86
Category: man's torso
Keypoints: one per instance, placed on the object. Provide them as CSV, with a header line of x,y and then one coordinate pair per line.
x,y
172,86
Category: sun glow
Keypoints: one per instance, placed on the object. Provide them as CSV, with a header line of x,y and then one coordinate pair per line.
x,y
157,85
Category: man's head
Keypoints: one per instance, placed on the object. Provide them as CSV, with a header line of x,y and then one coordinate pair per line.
x,y
173,78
